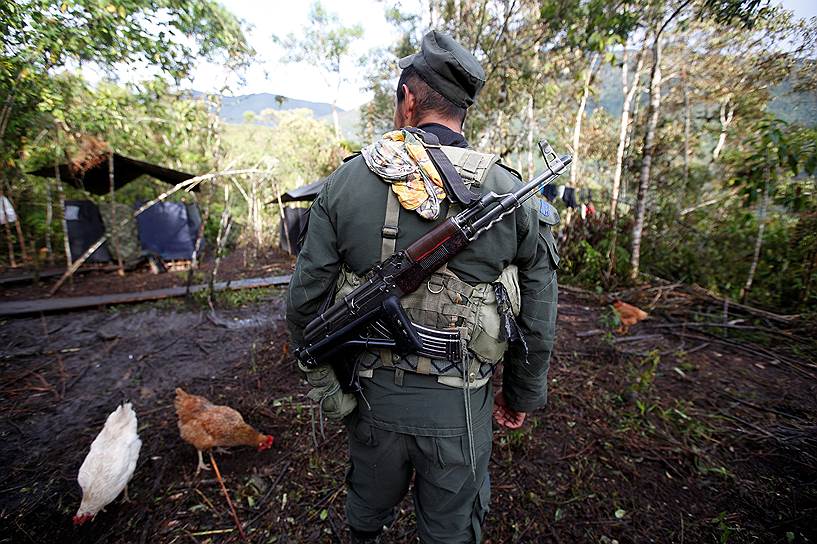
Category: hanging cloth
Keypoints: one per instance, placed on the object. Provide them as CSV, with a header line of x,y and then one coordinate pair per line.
x,y
569,197
7,214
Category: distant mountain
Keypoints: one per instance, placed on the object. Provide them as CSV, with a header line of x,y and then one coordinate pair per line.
x,y
233,107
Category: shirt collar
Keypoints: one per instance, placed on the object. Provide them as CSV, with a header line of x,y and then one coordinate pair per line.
x,y
445,134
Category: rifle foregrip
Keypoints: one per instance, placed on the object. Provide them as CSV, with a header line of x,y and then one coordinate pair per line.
x,y
432,240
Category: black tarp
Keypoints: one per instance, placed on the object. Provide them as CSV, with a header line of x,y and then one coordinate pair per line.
x,y
296,222
95,180
169,229
85,227
304,193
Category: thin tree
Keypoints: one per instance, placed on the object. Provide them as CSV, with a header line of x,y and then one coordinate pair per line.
x,y
325,43
628,89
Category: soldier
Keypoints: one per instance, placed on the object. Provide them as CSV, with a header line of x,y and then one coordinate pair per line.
x,y
418,417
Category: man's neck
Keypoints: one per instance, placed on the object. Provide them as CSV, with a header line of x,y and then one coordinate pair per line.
x,y
447,123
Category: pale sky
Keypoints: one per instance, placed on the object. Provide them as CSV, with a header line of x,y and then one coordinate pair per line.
x,y
269,75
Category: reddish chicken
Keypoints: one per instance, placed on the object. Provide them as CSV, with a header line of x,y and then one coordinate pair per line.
x,y
109,465
207,426
629,315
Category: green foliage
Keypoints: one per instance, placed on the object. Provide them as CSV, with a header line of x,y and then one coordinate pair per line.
x,y
40,38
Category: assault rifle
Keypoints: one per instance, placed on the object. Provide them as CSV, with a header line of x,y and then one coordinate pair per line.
x,y
371,315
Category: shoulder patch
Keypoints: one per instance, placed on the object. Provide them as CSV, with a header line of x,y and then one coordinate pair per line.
x,y
509,169
547,213
352,156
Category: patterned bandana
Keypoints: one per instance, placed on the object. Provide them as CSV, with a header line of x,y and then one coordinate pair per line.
x,y
401,160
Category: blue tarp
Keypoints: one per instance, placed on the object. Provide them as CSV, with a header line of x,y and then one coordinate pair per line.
x,y
169,230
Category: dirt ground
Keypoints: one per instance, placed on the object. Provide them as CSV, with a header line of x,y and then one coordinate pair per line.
x,y
667,434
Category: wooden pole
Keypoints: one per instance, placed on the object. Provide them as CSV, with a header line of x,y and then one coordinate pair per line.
x,y
116,235
49,218
188,184
66,242
223,232
21,240
284,220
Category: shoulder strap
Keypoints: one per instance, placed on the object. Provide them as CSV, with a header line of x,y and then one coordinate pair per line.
x,y
454,186
390,225
472,165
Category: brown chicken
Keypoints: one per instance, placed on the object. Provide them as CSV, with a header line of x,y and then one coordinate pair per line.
x,y
207,426
629,315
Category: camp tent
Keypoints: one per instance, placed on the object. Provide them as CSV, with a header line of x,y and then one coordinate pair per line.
x,y
85,227
294,219
305,193
163,229
95,179
169,230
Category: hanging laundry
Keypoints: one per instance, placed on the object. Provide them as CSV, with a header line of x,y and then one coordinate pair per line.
x,y
560,191
549,191
583,211
591,210
7,214
585,195
569,197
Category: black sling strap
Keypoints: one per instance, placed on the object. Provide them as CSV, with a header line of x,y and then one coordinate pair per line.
x,y
454,186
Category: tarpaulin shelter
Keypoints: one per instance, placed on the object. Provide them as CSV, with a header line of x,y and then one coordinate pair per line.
x,y
305,193
95,179
294,219
121,224
164,231
85,227
169,230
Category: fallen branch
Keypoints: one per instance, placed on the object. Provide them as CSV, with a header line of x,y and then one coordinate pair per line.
x,y
227,496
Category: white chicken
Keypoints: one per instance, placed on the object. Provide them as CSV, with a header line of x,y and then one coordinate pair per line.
x,y
109,465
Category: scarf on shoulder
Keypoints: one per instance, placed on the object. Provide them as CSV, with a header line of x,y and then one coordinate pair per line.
x,y
401,160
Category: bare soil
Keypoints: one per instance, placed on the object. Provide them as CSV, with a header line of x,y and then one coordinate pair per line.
x,y
668,434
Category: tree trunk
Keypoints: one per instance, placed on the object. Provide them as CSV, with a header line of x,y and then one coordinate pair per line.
x,y
764,206
628,90
726,115
335,120
687,117
647,156
577,126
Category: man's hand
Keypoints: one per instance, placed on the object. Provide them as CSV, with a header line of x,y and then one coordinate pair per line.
x,y
334,403
506,417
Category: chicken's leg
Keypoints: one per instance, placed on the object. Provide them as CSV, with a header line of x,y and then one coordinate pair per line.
x,y
126,498
201,466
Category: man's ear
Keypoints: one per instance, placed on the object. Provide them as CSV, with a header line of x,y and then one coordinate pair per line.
x,y
408,105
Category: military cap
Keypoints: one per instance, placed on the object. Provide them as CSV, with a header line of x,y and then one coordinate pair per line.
x,y
448,68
